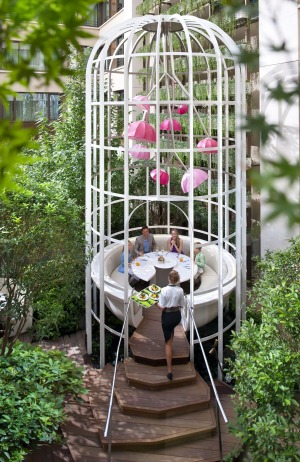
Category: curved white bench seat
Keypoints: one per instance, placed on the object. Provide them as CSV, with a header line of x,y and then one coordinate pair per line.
x,y
205,297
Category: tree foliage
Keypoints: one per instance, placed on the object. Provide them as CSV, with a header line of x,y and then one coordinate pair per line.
x,y
42,249
49,27
42,239
267,363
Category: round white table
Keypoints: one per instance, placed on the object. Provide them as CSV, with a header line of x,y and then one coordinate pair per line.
x,y
147,266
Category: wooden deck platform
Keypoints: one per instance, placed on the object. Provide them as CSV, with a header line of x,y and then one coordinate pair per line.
x,y
153,419
147,343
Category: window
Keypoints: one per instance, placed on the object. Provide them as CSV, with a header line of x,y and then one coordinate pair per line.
x,y
93,19
100,13
120,61
104,12
28,107
21,51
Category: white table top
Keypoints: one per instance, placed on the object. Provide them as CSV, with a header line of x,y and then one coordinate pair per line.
x,y
147,264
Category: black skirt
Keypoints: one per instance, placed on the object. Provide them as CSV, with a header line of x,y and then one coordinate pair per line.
x,y
169,321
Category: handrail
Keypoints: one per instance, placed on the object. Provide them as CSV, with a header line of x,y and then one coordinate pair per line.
x,y
219,406
207,366
107,426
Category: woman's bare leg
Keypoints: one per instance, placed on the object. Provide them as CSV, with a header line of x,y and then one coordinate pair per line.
x,y
169,344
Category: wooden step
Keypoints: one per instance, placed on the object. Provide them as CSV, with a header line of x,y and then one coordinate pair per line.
x,y
145,376
131,431
80,429
92,454
128,431
223,388
163,402
147,342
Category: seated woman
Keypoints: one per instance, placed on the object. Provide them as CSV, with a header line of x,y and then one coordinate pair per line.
x,y
132,279
175,243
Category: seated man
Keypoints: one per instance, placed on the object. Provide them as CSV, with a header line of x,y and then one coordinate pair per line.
x,y
144,243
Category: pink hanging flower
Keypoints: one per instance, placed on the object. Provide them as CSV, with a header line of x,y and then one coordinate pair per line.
x,y
164,176
169,125
141,131
144,105
208,143
199,176
136,152
182,109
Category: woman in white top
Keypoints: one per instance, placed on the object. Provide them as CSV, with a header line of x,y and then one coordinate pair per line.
x,y
171,300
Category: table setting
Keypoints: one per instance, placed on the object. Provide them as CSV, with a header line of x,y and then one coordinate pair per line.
x,y
147,297
159,263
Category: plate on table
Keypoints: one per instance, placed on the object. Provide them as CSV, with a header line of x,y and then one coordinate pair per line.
x,y
142,296
154,289
154,297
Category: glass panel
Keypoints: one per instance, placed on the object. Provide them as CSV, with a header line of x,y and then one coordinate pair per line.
x,y
31,106
11,55
107,12
54,106
92,20
24,52
120,61
104,12
38,61
8,111
14,53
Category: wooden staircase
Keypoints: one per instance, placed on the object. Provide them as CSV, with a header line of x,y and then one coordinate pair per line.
x,y
153,419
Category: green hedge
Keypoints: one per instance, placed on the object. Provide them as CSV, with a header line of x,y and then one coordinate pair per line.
x,y
33,385
267,364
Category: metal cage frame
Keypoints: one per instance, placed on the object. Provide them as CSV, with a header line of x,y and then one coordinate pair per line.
x,y
158,45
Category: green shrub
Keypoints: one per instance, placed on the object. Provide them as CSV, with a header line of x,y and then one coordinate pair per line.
x,y
267,363
33,385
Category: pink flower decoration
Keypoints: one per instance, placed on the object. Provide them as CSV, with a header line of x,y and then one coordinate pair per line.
x,y
135,151
170,124
144,100
182,109
141,131
198,175
164,176
208,143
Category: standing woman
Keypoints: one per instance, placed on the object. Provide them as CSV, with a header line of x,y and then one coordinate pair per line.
x,y
175,243
171,300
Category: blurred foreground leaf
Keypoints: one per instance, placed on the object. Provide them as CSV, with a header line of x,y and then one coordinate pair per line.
x,y
13,139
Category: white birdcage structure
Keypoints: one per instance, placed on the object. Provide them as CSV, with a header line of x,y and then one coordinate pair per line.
x,y
168,153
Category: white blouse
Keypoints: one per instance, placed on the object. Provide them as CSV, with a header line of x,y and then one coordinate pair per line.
x,y
171,296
